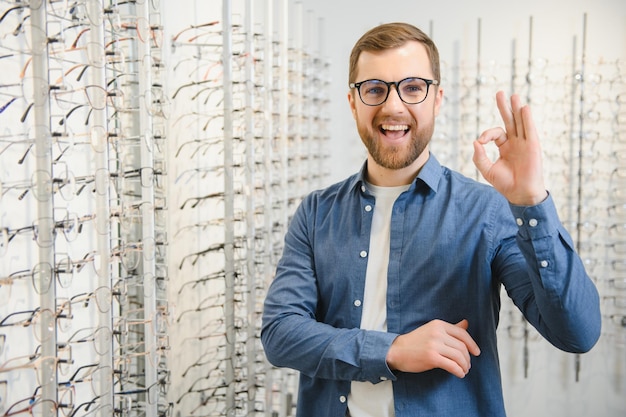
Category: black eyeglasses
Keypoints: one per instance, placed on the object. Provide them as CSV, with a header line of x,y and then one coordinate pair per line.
x,y
412,90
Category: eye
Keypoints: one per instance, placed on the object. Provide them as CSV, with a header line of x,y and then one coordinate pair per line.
x,y
373,88
413,86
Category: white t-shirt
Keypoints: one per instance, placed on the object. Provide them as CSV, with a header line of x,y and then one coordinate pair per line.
x,y
367,399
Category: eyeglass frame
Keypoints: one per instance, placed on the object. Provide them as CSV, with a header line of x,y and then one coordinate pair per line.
x,y
428,82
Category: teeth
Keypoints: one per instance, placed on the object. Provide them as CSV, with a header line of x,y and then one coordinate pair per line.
x,y
395,127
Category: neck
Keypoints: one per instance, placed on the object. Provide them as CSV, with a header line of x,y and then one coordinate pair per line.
x,y
385,177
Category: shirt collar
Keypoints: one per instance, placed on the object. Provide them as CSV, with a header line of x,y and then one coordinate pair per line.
x,y
430,174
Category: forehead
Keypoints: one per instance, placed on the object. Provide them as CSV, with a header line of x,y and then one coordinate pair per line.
x,y
408,60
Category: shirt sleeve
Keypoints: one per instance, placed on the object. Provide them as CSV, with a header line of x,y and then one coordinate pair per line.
x,y
548,283
291,335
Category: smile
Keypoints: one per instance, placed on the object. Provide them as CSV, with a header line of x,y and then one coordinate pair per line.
x,y
395,127
394,131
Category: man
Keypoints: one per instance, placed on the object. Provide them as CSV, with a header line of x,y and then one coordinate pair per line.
x,y
387,296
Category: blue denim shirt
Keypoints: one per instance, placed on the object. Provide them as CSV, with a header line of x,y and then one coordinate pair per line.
x,y
454,242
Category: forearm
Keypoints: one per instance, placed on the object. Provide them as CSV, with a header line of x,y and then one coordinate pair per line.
x,y
562,301
319,350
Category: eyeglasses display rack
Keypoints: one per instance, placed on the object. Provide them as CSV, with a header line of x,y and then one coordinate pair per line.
x,y
85,309
147,174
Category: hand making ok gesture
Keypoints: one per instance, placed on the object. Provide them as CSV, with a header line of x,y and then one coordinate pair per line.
x,y
517,173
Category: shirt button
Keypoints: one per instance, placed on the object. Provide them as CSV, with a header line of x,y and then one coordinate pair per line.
x,y
363,254
520,222
342,399
357,303
383,378
544,264
368,208
363,188
532,222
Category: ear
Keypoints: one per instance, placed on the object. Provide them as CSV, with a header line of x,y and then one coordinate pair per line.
x,y
352,103
438,100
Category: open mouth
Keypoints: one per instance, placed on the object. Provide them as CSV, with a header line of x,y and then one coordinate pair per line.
x,y
394,131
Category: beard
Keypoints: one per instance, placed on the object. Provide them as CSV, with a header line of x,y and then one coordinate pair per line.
x,y
396,156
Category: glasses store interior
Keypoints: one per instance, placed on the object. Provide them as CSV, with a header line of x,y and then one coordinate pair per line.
x,y
153,154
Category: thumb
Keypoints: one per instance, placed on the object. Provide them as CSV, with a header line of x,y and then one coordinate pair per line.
x,y
464,324
480,158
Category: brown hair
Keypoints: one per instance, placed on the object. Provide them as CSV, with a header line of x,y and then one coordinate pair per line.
x,y
393,35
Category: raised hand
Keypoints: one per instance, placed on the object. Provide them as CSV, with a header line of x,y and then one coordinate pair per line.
x,y
517,173
436,344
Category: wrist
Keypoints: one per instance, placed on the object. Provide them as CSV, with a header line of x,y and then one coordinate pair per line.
x,y
531,200
391,357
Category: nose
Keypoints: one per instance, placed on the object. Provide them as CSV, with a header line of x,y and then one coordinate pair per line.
x,y
393,99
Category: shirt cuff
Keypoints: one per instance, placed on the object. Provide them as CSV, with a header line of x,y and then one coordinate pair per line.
x,y
373,365
536,222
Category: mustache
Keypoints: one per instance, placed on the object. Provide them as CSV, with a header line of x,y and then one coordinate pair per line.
x,y
393,121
